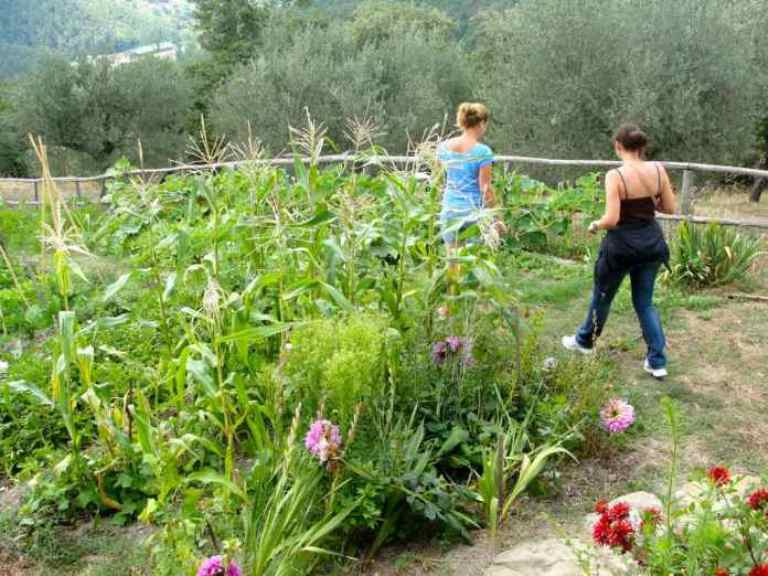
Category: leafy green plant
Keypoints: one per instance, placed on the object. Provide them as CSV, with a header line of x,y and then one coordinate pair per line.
x,y
712,256
549,220
339,363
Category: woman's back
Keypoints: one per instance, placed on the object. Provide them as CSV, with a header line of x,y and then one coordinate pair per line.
x,y
640,179
462,162
640,192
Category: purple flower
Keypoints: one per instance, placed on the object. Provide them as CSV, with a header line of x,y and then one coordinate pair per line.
x,y
214,566
439,352
617,415
453,345
323,440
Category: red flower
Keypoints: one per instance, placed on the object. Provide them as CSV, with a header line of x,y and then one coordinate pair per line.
x,y
613,528
722,572
719,475
760,570
601,531
622,535
601,507
758,500
619,511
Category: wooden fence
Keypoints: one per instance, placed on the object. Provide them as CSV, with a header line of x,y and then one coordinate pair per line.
x,y
27,190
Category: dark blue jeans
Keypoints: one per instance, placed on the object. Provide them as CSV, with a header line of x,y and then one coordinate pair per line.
x,y
643,277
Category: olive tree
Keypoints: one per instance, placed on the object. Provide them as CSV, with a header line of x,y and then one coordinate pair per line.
x,y
101,112
406,83
560,76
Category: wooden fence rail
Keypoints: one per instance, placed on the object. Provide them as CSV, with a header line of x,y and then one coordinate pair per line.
x,y
686,192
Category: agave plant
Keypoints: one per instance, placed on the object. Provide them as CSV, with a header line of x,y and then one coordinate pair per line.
x,y
713,256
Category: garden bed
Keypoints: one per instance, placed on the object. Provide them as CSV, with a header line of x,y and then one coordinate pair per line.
x,y
168,357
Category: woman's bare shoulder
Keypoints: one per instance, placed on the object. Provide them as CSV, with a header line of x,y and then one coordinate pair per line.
x,y
451,143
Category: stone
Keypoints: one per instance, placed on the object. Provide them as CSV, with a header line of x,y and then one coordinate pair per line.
x,y
553,557
540,558
692,491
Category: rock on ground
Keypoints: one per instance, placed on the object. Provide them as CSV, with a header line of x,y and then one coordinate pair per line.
x,y
553,557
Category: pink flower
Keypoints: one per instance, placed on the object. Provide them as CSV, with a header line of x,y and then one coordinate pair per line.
x,y
617,416
214,566
454,343
439,352
323,440
453,346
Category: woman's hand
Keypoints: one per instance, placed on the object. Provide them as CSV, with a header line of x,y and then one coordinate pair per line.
x,y
594,227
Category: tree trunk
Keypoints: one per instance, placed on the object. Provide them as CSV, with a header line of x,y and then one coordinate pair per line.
x,y
761,183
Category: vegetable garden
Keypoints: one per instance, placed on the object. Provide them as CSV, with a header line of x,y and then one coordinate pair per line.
x,y
283,368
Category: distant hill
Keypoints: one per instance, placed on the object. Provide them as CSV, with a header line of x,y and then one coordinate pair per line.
x,y
73,28
462,10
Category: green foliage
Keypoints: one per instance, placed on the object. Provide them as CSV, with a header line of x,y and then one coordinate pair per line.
x,y
325,70
376,21
230,29
712,256
339,363
102,113
552,221
224,313
572,87
11,144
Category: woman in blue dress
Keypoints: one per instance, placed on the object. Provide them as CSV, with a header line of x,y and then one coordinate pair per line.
x,y
467,163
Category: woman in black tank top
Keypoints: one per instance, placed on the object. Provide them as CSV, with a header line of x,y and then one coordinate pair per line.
x,y
634,246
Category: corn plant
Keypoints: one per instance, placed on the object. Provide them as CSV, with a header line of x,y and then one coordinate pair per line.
x,y
61,234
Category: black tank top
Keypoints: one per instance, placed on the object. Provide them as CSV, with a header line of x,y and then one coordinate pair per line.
x,y
637,239
638,210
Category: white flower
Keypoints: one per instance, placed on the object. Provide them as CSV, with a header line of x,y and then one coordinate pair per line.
x,y
550,363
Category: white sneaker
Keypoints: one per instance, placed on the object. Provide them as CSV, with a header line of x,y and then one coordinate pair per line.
x,y
570,343
658,373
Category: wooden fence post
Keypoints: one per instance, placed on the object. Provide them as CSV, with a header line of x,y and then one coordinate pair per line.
x,y
37,195
686,194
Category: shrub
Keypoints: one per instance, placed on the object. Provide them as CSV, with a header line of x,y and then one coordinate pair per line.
x,y
339,363
552,221
102,112
712,256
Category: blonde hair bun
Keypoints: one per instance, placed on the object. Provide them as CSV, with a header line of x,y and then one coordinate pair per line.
x,y
471,114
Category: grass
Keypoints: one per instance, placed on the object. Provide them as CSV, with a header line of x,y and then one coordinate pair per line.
x,y
730,202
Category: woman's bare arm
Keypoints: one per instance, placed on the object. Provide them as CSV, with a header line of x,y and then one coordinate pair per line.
x,y
485,178
612,204
668,202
